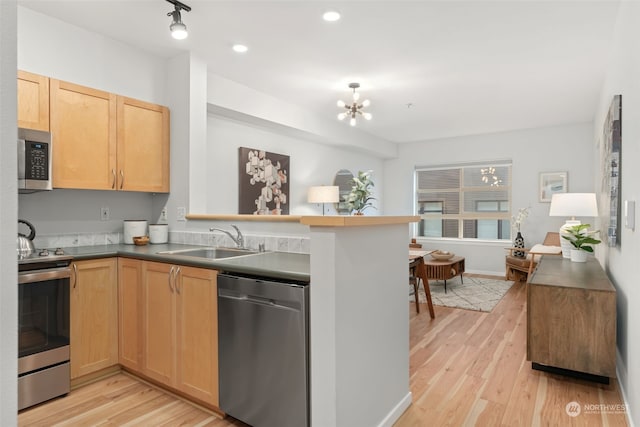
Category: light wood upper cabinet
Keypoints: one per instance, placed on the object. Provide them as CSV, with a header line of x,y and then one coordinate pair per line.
x,y
94,316
108,142
33,101
143,146
83,126
130,313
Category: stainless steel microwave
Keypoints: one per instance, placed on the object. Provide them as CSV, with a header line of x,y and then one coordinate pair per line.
x,y
34,161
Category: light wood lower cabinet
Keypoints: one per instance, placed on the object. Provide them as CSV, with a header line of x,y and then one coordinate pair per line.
x,y
130,313
94,316
170,335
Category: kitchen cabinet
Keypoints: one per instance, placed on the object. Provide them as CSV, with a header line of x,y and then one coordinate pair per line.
x,y
130,313
33,101
94,316
107,142
180,329
143,146
83,127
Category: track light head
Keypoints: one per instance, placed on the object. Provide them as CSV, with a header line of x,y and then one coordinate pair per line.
x,y
178,29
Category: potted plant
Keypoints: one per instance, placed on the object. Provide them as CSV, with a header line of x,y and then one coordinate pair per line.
x,y
359,198
582,240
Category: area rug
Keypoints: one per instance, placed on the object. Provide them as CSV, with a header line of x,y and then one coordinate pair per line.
x,y
476,293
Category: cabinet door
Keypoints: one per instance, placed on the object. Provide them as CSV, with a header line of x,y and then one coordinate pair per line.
x,y
83,126
197,333
158,322
33,101
130,313
143,146
94,316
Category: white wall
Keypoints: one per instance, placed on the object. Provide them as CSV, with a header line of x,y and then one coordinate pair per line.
x,y
311,164
622,263
561,148
8,217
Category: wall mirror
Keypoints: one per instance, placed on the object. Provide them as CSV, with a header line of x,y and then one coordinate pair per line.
x,y
343,181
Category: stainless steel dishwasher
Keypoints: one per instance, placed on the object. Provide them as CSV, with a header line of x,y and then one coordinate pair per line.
x,y
263,351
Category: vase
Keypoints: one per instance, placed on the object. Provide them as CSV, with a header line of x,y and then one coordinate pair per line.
x,y
518,243
578,255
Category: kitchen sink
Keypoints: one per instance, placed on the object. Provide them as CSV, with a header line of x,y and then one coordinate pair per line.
x,y
210,253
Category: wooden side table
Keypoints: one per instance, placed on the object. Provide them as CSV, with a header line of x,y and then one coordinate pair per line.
x,y
445,270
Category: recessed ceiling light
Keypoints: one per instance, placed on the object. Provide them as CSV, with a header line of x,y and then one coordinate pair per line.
x,y
331,16
240,48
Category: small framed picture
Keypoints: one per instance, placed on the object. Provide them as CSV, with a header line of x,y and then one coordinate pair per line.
x,y
551,183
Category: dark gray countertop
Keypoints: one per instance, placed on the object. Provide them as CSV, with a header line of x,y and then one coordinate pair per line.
x,y
277,265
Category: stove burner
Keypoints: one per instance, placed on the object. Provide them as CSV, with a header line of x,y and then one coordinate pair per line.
x,y
59,251
44,252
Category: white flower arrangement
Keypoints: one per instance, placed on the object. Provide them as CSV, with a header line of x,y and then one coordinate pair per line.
x,y
518,220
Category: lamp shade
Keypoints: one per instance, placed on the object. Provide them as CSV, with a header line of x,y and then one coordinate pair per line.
x,y
573,204
323,194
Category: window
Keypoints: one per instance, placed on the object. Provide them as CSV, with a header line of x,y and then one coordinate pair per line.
x,y
470,201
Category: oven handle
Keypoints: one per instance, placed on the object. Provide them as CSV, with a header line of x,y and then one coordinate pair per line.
x,y
43,275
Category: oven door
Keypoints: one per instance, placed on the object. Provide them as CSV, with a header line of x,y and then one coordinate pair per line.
x,y
43,318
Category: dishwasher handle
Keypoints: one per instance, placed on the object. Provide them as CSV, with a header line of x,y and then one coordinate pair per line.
x,y
253,299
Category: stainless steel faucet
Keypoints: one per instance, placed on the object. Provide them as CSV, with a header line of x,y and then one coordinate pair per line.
x,y
238,240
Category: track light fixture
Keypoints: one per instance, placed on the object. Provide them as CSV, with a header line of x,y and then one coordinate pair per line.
x,y
354,108
178,29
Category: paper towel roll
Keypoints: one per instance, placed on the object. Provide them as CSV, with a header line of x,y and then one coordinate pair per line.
x,y
133,228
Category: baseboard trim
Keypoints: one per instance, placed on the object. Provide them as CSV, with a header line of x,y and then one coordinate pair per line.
x,y
622,391
397,411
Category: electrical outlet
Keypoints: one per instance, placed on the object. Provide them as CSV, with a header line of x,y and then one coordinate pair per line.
x,y
104,214
181,214
163,214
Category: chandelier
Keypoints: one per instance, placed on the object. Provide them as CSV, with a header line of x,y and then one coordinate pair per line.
x,y
355,108
489,176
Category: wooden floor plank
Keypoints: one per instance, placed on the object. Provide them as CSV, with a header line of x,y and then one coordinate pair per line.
x,y
466,368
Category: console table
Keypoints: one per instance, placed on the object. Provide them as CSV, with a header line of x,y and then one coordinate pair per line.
x,y
571,319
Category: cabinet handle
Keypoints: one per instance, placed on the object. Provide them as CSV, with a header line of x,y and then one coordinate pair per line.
x,y
121,178
178,278
75,275
113,172
170,277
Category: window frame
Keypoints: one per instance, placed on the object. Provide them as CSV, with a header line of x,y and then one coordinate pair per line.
x,y
463,215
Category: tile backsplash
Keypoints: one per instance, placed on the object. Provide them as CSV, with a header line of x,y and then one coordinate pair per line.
x,y
289,243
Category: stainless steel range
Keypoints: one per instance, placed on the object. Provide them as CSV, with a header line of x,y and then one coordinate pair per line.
x,y
43,326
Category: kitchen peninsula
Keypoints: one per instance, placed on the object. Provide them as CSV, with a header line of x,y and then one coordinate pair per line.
x,y
359,334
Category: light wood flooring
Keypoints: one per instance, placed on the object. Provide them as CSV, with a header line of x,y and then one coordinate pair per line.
x,y
466,368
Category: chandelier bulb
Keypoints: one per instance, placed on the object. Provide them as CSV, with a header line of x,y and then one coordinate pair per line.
x,y
366,103
341,116
352,122
341,104
356,96
367,116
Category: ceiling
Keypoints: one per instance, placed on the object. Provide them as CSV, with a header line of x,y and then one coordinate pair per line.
x,y
431,69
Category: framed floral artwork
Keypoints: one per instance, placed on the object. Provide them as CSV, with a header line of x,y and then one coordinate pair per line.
x,y
550,184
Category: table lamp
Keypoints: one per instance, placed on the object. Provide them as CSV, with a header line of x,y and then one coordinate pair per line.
x,y
572,205
323,194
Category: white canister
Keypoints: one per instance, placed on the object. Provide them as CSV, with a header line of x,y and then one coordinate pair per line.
x,y
133,228
158,233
